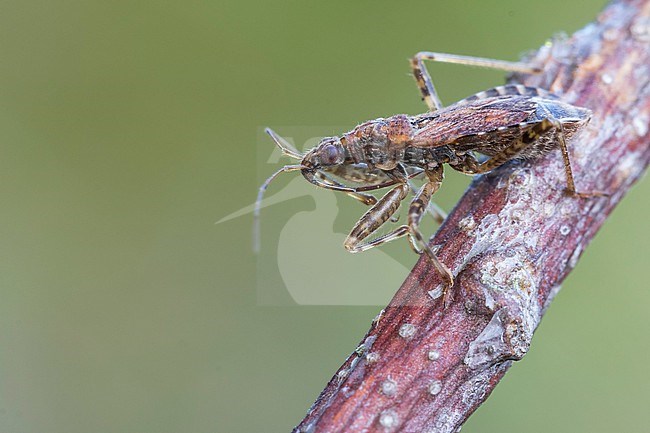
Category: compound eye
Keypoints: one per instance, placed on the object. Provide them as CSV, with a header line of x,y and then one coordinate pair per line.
x,y
330,154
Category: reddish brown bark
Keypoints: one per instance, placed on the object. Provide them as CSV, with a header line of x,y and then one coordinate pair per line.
x,y
510,241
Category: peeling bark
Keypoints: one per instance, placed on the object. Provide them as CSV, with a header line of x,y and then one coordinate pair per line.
x,y
510,241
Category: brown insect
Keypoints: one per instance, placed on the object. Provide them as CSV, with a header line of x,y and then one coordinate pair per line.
x,y
503,123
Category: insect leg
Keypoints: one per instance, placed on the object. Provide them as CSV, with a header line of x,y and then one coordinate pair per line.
x,y
433,209
366,199
375,218
470,165
570,183
425,84
416,239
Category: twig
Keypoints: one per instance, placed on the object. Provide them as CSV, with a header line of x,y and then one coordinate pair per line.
x,y
510,241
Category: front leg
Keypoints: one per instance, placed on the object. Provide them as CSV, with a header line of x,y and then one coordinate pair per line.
x,y
374,218
366,199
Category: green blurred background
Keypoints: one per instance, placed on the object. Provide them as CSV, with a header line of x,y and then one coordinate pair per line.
x,y
130,127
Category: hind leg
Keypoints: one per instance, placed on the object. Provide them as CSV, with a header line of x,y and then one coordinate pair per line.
x,y
423,79
469,165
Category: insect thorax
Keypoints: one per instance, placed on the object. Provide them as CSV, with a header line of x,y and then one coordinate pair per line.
x,y
379,143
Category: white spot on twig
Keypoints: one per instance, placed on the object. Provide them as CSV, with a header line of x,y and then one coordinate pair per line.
x,y
389,387
433,355
388,418
372,357
407,330
435,386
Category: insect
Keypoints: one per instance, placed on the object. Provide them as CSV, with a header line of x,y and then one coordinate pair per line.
x,y
503,123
